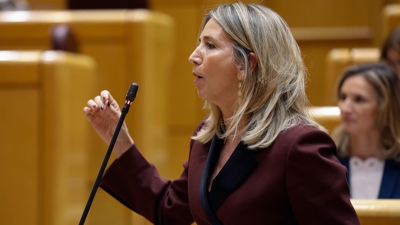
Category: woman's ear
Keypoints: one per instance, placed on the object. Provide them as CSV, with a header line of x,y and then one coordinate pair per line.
x,y
252,61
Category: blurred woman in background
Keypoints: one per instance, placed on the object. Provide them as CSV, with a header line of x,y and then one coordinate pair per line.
x,y
390,52
368,139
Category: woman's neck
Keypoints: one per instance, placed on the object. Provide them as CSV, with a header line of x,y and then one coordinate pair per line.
x,y
240,129
367,145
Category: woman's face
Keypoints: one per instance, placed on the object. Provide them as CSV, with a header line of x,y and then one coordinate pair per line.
x,y
394,60
358,103
214,69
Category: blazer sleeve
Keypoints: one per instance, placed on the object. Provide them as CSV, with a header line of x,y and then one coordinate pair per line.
x,y
136,183
316,181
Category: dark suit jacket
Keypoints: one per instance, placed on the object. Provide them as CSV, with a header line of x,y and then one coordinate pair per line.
x,y
297,180
390,185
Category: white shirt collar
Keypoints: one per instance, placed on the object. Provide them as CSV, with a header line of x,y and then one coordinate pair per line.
x,y
365,177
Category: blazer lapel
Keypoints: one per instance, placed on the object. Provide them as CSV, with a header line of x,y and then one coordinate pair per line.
x,y
345,162
212,158
238,167
389,179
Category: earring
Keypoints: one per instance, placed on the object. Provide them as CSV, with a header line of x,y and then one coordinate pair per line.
x,y
240,78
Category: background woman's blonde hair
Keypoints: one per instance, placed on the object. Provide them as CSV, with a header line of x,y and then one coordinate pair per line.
x,y
387,86
273,93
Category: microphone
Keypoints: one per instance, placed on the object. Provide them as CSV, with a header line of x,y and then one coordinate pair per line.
x,y
130,96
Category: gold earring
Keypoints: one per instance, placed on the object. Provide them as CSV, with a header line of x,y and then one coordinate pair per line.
x,y
240,78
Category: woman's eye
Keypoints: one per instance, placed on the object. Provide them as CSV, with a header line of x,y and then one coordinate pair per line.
x,y
359,99
209,45
342,97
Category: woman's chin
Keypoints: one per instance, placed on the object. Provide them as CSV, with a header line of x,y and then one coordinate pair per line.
x,y
349,129
202,95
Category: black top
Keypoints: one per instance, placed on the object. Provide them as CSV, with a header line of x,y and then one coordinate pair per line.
x,y
238,167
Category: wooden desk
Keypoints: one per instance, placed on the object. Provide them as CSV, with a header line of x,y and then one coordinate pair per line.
x,y
377,212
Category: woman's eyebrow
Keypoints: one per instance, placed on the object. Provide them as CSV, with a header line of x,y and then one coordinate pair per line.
x,y
205,38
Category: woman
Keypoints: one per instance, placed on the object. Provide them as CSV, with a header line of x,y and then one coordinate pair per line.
x,y
368,139
257,158
390,52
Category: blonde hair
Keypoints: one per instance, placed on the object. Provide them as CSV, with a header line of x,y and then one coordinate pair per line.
x,y
273,92
387,86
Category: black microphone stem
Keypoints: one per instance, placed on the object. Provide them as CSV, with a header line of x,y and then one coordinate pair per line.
x,y
130,96
102,168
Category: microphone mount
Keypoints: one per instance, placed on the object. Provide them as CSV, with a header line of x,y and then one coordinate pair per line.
x,y
130,96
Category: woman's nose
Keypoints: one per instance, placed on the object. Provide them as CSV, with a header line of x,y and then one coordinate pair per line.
x,y
194,58
345,106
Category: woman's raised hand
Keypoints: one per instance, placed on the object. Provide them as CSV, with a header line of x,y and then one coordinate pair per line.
x,y
103,113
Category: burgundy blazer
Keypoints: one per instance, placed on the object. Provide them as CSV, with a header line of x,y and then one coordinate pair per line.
x,y
297,180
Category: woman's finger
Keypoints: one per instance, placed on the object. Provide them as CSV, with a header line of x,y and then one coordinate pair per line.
x,y
99,103
92,106
109,100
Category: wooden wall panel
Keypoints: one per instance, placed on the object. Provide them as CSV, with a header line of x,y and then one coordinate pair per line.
x,y
20,151
184,106
337,60
44,137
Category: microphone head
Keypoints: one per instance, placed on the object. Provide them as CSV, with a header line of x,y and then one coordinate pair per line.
x,y
131,94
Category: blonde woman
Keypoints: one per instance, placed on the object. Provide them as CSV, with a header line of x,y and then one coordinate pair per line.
x,y
368,139
257,158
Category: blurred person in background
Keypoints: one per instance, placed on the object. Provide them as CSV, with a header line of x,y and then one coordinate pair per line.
x,y
368,138
13,5
390,52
